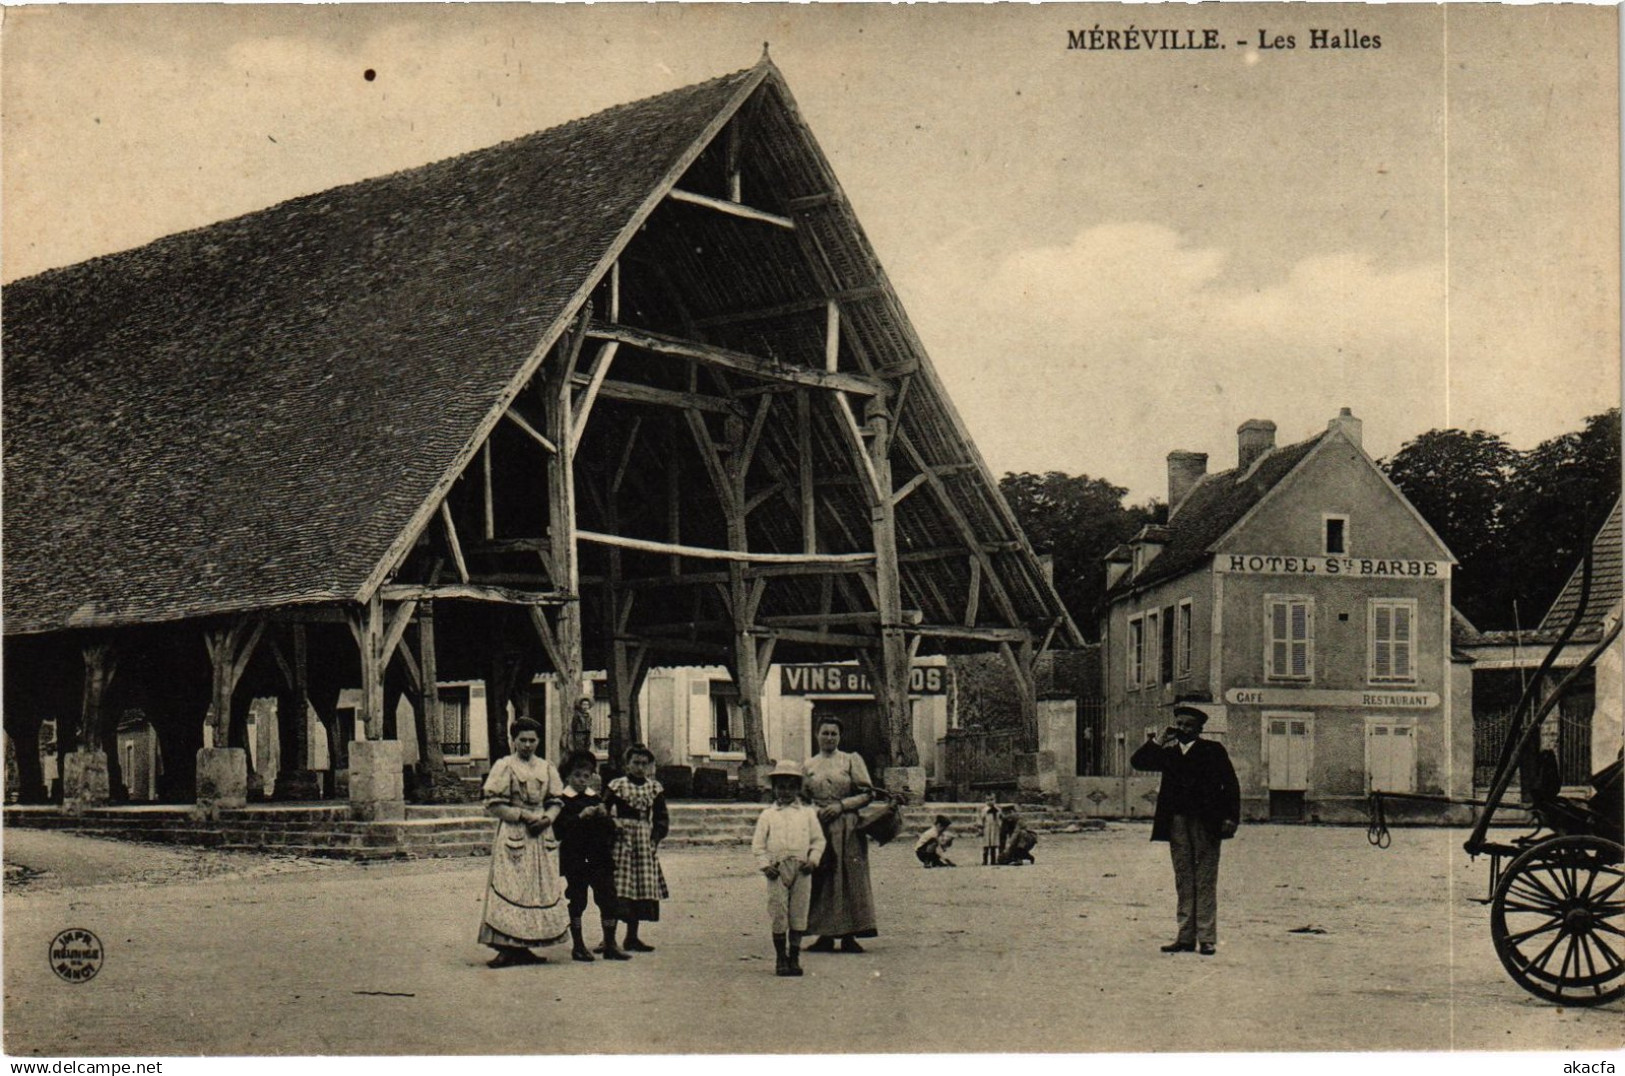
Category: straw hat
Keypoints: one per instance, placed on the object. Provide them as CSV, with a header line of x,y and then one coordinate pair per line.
x,y
787,768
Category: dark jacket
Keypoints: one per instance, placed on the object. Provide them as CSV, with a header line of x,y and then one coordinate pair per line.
x,y
586,845
1200,783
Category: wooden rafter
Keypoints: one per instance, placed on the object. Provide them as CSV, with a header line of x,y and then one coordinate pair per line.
x,y
452,543
852,436
595,382
733,209
814,560
477,592
967,533
727,359
803,306
536,435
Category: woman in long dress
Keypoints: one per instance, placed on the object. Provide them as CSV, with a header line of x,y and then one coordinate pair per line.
x,y
524,904
843,902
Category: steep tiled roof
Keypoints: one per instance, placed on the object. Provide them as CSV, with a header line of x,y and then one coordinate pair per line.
x,y
1606,586
1217,503
251,413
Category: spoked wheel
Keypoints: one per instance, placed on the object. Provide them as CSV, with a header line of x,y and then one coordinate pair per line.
x,y
1558,920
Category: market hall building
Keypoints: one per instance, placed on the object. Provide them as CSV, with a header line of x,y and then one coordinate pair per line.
x,y
1303,598
626,394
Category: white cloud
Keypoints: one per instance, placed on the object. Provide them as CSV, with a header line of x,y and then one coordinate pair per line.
x,y
1130,340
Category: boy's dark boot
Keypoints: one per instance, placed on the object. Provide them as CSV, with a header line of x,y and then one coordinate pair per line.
x,y
578,944
781,964
610,950
794,952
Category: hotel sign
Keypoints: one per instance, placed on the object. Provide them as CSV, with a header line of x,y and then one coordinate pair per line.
x,y
851,680
1335,567
1374,699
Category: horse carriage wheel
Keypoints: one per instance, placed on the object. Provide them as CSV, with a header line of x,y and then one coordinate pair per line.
x,y
1558,920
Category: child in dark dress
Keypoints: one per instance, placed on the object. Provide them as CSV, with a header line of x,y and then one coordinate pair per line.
x,y
586,854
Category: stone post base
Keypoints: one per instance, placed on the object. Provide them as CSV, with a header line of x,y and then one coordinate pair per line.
x,y
753,783
909,780
377,791
1037,778
297,785
222,777
84,780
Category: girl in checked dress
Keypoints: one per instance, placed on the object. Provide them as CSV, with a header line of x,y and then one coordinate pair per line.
x,y
638,805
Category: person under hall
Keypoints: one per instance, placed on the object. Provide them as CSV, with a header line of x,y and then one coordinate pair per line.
x,y
637,802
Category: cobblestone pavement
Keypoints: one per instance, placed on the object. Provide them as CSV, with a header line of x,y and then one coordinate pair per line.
x,y
236,954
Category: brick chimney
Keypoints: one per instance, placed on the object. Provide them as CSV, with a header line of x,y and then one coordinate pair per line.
x,y
1345,421
1185,469
1254,437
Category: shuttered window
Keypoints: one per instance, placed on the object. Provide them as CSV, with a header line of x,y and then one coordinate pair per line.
x,y
1392,640
1136,652
1289,632
1182,661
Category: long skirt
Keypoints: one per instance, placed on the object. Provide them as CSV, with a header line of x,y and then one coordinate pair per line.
x,y
524,904
842,900
640,884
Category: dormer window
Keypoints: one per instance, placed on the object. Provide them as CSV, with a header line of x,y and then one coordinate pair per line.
x,y
1335,535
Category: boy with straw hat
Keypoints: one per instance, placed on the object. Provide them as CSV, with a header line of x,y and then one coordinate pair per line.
x,y
788,844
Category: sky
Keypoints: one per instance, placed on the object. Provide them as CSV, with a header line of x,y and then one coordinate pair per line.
x,y
1109,254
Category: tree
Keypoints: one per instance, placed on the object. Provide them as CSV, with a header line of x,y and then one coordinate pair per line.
x,y
1458,482
1518,522
1557,499
1077,520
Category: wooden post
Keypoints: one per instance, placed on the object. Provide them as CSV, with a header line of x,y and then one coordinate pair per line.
x,y
558,426
370,639
891,692
431,757
728,478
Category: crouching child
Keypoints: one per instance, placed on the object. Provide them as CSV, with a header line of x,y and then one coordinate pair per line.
x,y
933,844
788,843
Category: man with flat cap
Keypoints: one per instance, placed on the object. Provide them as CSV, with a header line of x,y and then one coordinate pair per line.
x,y
1198,805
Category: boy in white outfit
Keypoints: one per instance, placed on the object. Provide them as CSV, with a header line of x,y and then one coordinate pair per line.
x,y
788,844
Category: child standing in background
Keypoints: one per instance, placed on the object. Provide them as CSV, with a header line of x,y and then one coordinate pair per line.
x,y
788,843
990,831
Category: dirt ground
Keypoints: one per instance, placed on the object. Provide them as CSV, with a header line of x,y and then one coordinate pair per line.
x,y
214,953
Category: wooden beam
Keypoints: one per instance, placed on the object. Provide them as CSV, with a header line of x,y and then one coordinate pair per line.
x,y
984,635
626,455
804,470
549,641
595,381
906,488
724,358
973,595
860,452
832,337
819,619
813,201
762,496
712,460
452,543
823,638
804,306
632,392
473,592
967,533
681,646
513,416
495,546
753,438
733,209
397,628
954,551
490,504
818,560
